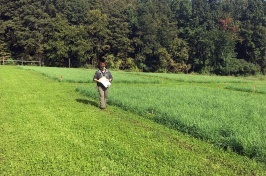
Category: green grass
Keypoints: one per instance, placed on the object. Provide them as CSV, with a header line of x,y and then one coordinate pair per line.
x,y
199,78
194,104
256,88
47,128
225,118
198,105
86,75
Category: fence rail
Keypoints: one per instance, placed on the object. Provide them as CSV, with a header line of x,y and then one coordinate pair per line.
x,y
3,61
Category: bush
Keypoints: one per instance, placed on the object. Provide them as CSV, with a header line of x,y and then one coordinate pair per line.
x,y
10,61
239,67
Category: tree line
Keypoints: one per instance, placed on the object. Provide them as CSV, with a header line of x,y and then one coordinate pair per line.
x,y
223,37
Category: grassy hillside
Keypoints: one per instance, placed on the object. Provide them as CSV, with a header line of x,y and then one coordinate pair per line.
x,y
47,128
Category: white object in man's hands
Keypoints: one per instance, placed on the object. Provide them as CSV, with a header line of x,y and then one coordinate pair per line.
x,y
105,82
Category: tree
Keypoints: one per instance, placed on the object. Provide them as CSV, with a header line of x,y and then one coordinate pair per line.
x,y
98,33
120,44
76,11
159,35
66,45
157,30
251,46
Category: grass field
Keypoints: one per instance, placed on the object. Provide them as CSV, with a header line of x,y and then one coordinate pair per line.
x,y
47,128
227,119
81,75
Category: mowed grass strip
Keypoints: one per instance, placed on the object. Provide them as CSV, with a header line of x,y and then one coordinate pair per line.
x,y
256,88
46,128
83,75
190,78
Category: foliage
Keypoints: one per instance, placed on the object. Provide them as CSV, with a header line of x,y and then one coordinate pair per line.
x,y
160,36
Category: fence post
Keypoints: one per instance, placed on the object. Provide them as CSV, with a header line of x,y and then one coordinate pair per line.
x,y
3,60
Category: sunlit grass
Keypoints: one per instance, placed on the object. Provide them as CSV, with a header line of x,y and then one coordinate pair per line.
x,y
86,75
207,112
199,78
48,129
255,88
228,119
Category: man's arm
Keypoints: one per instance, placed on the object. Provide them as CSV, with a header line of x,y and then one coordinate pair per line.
x,y
95,77
96,80
110,77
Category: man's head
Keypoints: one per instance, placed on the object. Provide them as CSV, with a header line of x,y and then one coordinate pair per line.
x,y
102,65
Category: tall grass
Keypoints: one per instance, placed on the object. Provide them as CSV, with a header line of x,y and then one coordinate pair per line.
x,y
256,88
46,128
199,78
229,119
86,75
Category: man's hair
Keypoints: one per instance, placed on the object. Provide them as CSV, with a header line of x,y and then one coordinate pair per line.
x,y
101,64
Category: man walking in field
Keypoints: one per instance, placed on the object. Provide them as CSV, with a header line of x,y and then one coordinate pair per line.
x,y
103,77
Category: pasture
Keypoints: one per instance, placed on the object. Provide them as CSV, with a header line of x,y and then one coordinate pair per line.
x,y
206,107
52,125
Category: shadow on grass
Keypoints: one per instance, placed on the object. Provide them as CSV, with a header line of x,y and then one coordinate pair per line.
x,y
84,101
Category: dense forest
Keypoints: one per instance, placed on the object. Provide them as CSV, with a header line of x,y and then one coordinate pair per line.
x,y
223,37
